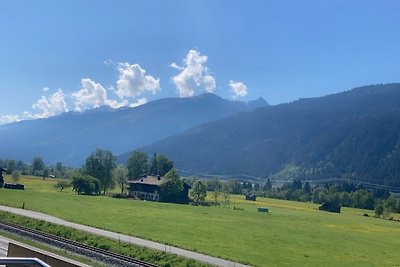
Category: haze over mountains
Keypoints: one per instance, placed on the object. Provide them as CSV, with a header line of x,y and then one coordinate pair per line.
x,y
354,134
72,136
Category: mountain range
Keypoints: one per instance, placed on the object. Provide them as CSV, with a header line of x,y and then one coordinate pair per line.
x,y
350,135
353,135
71,137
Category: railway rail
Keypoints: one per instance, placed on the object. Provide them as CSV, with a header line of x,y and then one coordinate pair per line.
x,y
98,254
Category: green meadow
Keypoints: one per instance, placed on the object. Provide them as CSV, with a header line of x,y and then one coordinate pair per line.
x,y
291,234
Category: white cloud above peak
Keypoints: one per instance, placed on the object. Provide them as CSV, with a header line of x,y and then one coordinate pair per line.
x,y
133,81
194,74
93,95
239,89
50,106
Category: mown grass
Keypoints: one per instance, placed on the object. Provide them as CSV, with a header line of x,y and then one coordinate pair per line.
x,y
158,257
292,234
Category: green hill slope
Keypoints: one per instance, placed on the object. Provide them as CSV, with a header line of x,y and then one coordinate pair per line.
x,y
354,134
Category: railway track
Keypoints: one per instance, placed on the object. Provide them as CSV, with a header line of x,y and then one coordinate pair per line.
x,y
105,256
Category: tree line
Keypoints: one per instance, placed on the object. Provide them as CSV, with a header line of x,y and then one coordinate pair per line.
x,y
344,194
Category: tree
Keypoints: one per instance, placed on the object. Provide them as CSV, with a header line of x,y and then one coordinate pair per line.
x,y
307,187
172,188
215,194
45,173
198,192
379,210
11,166
268,185
226,197
214,184
164,165
137,165
120,176
85,184
59,170
100,165
160,165
154,166
37,166
61,185
15,176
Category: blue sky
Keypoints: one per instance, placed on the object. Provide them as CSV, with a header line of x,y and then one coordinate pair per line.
x,y
75,55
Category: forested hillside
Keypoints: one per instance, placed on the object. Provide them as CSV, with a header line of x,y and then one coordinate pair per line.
x,y
70,137
354,134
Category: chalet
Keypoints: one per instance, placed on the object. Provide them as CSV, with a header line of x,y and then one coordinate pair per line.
x,y
147,188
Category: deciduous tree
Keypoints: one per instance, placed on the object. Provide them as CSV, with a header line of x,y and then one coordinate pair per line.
x,y
120,175
198,192
137,165
100,165
172,188
15,176
61,185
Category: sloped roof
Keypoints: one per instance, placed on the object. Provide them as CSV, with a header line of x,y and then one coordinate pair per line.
x,y
150,180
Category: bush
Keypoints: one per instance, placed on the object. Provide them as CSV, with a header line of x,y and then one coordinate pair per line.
x,y
86,184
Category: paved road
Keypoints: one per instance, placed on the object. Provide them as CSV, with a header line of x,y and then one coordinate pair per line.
x,y
125,238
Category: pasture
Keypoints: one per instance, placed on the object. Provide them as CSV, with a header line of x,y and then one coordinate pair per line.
x,y
291,234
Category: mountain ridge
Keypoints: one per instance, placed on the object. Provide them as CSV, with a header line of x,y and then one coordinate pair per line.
x,y
354,133
70,137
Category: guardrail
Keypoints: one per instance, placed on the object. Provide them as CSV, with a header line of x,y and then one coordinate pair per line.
x,y
34,262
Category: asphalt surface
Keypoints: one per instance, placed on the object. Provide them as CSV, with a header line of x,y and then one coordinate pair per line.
x,y
125,238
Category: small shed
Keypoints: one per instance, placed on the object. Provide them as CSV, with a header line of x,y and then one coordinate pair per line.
x,y
330,206
251,197
262,209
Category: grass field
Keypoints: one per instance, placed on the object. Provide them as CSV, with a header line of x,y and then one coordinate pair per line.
x,y
292,234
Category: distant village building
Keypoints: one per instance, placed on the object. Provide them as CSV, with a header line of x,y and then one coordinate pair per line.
x,y
250,196
147,188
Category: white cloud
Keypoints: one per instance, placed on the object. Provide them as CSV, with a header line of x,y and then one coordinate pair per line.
x,y
51,106
108,62
238,88
193,75
93,95
9,119
175,66
133,81
139,102
45,89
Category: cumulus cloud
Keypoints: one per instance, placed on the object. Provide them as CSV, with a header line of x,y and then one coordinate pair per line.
x,y
133,81
93,95
50,106
9,119
239,89
194,74
45,89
